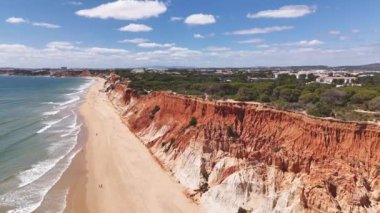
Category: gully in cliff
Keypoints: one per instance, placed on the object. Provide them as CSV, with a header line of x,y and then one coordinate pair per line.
x,y
238,157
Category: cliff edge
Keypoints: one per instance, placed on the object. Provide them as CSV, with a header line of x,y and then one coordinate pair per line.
x,y
238,157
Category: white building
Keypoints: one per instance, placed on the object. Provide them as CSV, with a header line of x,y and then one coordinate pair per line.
x,y
330,80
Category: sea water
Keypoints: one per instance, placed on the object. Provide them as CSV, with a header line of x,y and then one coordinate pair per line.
x,y
39,129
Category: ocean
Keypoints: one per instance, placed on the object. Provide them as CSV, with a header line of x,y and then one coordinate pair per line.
x,y
39,128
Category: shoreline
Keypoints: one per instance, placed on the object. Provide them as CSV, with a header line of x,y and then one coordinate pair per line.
x,y
44,183
115,171
74,178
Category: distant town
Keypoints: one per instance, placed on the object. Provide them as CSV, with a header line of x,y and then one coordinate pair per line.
x,y
340,76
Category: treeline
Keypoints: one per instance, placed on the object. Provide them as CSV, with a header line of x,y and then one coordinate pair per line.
x,y
286,92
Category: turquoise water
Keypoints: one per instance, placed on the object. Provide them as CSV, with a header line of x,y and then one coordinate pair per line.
x,y
39,130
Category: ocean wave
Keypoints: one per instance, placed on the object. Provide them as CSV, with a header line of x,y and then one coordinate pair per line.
x,y
48,125
9,121
19,128
74,93
6,149
30,197
86,85
81,88
63,202
30,187
49,103
51,113
73,100
62,107
75,129
37,171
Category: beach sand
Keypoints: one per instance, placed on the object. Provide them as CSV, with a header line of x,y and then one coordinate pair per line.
x,y
121,175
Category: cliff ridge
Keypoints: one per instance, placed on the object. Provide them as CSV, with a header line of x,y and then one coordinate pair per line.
x,y
254,158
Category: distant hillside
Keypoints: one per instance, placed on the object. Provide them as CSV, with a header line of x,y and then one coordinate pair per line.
x,y
370,67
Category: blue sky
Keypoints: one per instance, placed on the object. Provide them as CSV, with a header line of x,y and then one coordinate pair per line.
x,y
202,33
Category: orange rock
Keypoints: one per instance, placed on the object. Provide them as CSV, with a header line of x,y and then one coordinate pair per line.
x,y
336,161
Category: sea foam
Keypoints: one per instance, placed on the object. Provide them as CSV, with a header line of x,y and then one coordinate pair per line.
x,y
50,124
30,197
60,148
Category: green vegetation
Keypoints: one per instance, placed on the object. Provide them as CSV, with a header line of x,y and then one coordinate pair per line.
x,y
154,111
320,110
192,122
286,92
374,104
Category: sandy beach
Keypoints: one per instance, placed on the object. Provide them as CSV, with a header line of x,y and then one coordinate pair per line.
x,y
121,176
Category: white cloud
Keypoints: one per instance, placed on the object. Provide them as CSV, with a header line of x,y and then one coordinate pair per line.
x,y
14,48
60,45
202,36
60,53
16,20
197,35
19,20
310,43
102,50
173,55
134,40
200,19
355,31
176,18
261,30
136,28
75,3
125,10
289,11
252,41
338,35
46,25
343,38
263,46
217,49
303,44
334,32
155,45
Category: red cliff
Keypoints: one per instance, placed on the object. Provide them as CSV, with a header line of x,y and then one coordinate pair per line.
x,y
257,158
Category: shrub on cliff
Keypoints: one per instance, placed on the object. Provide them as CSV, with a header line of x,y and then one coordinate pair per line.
x,y
154,111
320,110
192,122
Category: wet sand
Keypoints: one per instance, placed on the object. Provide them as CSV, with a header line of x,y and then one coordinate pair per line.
x,y
121,175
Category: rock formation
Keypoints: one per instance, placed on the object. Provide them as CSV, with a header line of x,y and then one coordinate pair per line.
x,y
252,158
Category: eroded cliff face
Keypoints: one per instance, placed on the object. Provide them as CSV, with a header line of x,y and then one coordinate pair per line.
x,y
255,158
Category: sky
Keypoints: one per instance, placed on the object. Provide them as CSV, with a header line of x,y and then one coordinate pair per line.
x,y
196,33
